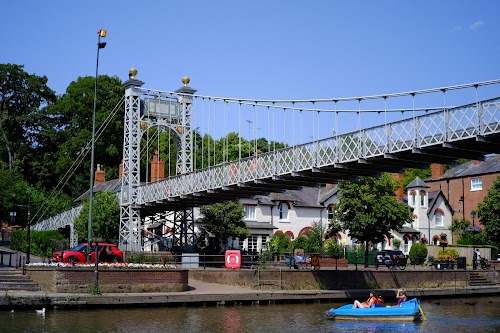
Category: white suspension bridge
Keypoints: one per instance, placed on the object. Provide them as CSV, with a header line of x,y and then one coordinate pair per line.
x,y
344,138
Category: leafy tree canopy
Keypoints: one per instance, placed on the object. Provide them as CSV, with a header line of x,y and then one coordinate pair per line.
x,y
488,213
105,217
225,220
21,96
368,210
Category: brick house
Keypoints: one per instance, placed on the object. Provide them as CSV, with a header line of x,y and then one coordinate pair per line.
x,y
465,185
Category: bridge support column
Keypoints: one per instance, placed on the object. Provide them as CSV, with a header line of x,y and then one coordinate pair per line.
x,y
130,219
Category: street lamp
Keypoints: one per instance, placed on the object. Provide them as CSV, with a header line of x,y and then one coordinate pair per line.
x,y
474,255
100,33
28,233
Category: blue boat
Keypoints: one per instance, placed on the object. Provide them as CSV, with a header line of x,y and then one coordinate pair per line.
x,y
407,311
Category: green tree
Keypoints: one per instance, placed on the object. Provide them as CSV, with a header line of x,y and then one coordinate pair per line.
x,y
225,220
488,213
21,96
368,211
66,130
458,227
105,217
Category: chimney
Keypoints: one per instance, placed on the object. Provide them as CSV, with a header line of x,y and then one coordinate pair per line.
x,y
100,175
157,168
437,170
329,185
398,180
120,171
476,162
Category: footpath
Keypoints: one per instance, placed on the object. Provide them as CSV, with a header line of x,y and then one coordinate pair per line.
x,y
205,293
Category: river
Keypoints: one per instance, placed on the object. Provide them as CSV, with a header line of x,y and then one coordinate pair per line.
x,y
445,315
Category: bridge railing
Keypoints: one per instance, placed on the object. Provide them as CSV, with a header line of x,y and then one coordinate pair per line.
x,y
426,130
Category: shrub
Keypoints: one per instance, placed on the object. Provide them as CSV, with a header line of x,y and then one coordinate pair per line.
x,y
332,247
418,253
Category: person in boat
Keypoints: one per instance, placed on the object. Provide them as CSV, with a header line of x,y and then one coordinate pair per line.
x,y
373,299
401,296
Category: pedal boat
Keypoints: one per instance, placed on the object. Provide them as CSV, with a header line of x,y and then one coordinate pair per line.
x,y
407,311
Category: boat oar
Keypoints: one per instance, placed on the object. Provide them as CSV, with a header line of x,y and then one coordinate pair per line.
x,y
422,312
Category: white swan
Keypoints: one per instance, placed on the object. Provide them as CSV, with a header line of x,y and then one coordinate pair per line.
x,y
41,312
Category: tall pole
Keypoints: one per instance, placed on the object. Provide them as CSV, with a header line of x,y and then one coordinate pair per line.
x,y
474,254
28,236
100,33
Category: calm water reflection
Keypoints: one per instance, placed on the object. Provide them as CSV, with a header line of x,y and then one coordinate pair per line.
x,y
458,315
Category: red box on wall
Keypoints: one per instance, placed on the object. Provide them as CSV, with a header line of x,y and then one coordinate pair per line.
x,y
233,259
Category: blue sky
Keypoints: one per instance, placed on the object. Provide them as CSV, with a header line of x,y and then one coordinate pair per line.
x,y
259,49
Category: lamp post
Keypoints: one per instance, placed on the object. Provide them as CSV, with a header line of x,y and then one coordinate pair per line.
x,y
28,233
100,33
474,255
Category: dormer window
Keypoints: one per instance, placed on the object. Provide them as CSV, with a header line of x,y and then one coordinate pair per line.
x,y
283,208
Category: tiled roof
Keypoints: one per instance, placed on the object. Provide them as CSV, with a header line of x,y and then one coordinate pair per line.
x,y
307,197
417,182
491,164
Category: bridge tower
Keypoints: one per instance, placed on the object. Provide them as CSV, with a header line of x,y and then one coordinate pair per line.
x,y
134,126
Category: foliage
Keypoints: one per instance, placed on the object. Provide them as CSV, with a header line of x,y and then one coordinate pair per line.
x,y
458,227
310,242
332,247
280,243
21,96
410,174
105,217
40,241
225,220
397,243
449,254
488,213
66,131
418,253
368,210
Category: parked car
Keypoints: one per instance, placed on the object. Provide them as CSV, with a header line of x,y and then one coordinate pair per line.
x,y
498,257
391,258
107,253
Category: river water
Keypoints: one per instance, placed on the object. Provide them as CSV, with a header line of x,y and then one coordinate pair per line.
x,y
446,315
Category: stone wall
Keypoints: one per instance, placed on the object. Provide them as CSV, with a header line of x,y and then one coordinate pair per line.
x,y
77,280
334,279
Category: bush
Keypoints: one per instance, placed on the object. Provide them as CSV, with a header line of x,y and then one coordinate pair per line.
x,y
332,248
40,241
418,253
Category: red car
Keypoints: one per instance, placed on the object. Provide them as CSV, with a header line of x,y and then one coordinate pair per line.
x,y
107,253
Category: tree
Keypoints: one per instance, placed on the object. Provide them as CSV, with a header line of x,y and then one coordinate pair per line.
x,y
105,217
488,213
280,243
368,211
21,96
225,220
66,130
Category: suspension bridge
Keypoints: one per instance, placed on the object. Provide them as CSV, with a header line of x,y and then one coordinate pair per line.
x,y
325,140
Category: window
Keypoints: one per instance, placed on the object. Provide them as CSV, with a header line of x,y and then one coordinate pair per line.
x,y
476,184
422,199
283,207
439,218
331,209
252,244
406,244
249,212
413,198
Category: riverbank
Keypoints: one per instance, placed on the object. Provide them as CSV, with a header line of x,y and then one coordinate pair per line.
x,y
204,293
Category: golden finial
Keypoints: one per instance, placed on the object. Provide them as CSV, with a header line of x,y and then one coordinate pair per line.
x,y
132,73
185,80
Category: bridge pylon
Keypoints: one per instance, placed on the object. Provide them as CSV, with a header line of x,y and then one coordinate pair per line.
x,y
177,117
